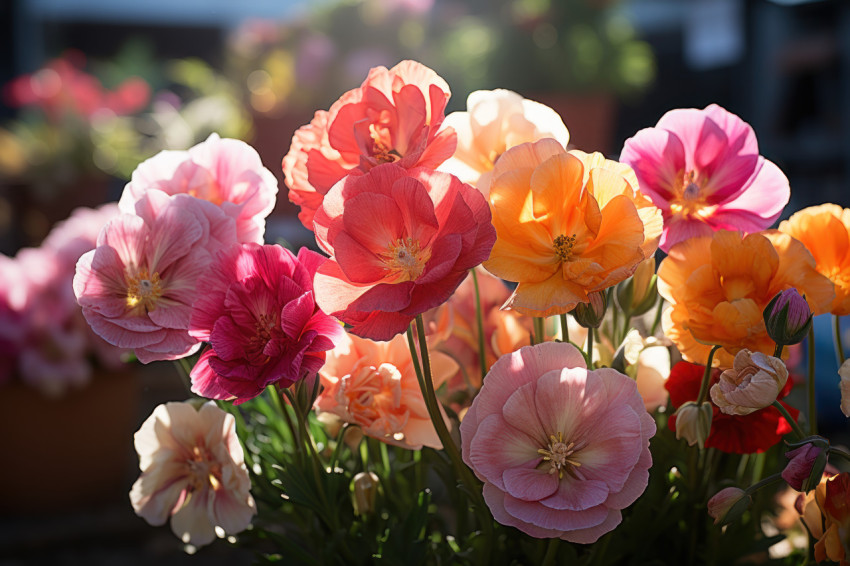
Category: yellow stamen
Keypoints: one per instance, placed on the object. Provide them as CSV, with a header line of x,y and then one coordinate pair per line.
x,y
143,290
558,453
564,246
404,259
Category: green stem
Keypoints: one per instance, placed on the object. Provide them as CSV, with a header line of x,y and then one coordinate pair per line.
x,y
551,552
565,330
657,319
184,370
703,388
539,336
798,432
839,347
763,483
479,317
590,348
839,452
777,351
810,385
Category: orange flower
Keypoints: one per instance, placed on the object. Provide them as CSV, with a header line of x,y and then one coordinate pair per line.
x,y
567,224
825,231
719,285
826,512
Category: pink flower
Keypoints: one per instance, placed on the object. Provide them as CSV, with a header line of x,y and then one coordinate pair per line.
x,y
400,241
76,235
226,172
374,385
702,168
258,313
805,466
193,470
394,116
728,504
560,449
137,287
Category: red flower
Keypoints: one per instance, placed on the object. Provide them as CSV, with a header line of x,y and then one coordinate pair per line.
x,y
744,434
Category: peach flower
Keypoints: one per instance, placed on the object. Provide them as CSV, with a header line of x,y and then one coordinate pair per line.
x,y
825,231
826,513
374,385
193,470
567,224
718,287
494,122
753,383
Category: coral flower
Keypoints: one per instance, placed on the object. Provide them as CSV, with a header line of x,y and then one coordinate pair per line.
x,y
561,450
400,241
567,224
826,513
495,121
226,172
193,470
137,286
393,117
719,286
702,168
825,231
374,385
261,320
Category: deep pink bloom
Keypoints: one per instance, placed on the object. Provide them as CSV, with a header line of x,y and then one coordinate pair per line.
x,y
702,168
259,315
805,466
225,172
561,450
400,241
394,116
137,287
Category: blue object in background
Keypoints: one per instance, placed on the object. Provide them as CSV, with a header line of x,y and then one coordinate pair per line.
x,y
827,394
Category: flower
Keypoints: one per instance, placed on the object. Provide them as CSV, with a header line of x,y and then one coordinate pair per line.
x,y
719,286
693,423
805,466
561,450
225,172
494,122
193,470
374,385
260,317
393,117
736,434
653,369
567,224
591,313
364,489
844,385
136,288
76,235
826,514
728,504
825,231
787,317
702,168
400,242
752,384
637,294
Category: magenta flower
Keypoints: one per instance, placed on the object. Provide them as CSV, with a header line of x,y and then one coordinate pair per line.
x,y
137,287
560,449
261,320
702,168
225,172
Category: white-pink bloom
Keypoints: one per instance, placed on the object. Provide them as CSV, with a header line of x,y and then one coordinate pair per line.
x,y
561,450
193,470
137,287
753,383
76,235
225,172
494,122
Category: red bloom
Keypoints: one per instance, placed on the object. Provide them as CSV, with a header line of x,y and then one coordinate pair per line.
x,y
258,313
400,241
735,434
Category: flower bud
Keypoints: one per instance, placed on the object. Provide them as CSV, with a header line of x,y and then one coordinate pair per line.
x,y
590,314
364,489
728,505
787,317
751,384
693,422
637,294
805,466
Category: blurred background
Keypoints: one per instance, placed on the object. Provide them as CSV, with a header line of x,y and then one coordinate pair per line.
x,y
92,87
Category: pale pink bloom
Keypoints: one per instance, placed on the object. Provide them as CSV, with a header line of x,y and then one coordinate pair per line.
x,y
702,168
374,385
76,235
649,363
393,117
137,287
728,504
844,385
259,315
225,172
561,450
494,122
752,384
193,470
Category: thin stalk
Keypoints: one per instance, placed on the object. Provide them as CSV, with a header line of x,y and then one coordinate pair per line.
x,y
703,388
539,334
777,351
184,370
590,348
551,552
479,317
798,432
839,347
565,330
763,483
810,385
657,319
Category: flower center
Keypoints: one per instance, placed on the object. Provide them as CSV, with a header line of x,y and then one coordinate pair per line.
x,y
203,470
690,201
558,453
382,149
404,259
564,247
143,290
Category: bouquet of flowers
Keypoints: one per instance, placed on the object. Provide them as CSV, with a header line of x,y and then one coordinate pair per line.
x,y
393,400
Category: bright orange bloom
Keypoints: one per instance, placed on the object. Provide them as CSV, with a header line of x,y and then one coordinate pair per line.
x,y
825,231
719,285
567,224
